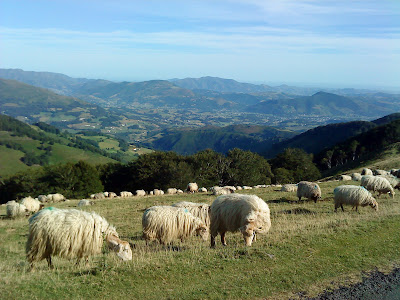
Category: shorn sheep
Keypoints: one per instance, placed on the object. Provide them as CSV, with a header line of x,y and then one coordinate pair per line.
x,y
353,195
377,184
248,214
71,233
15,209
309,190
199,210
167,223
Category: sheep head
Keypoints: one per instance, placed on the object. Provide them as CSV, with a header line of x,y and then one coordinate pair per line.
x,y
248,232
202,231
121,248
374,205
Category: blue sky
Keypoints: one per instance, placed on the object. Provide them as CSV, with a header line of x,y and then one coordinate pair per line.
x,y
333,43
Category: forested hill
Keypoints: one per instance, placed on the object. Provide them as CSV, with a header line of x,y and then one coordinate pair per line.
x,y
357,149
220,139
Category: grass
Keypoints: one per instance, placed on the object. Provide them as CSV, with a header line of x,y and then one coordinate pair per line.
x,y
309,248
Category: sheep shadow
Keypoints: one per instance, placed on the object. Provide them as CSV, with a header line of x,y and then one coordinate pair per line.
x,y
282,200
297,211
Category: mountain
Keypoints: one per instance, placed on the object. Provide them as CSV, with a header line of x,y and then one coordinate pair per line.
x,y
321,137
220,139
321,104
24,146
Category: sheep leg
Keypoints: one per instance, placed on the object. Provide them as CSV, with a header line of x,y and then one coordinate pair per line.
x,y
212,241
254,237
299,198
49,262
341,205
223,241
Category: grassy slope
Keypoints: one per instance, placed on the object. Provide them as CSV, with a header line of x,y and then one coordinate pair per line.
x,y
302,252
10,159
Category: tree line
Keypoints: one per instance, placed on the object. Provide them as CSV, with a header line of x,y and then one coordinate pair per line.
x,y
161,170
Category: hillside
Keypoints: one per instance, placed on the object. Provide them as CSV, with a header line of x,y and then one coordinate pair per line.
x,y
23,146
220,139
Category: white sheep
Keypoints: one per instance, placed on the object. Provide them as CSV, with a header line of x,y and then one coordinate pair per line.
x,y
245,187
172,191
105,194
356,176
15,209
97,196
239,188
112,195
55,197
290,187
366,171
202,190
377,184
140,193
309,190
43,198
179,191
199,210
125,194
353,195
345,178
71,233
380,172
248,214
167,223
156,192
32,205
85,202
151,193
218,190
192,187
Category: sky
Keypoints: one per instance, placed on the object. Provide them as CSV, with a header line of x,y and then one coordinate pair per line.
x,y
340,43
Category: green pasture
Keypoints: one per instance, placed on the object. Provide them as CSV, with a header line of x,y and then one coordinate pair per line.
x,y
308,249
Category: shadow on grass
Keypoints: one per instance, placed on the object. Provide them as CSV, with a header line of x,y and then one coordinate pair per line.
x,y
297,211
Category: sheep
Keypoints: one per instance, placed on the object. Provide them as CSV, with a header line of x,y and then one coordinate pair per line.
x,y
85,202
202,190
140,193
366,171
393,180
239,188
377,184
97,196
380,172
290,187
125,194
353,195
356,176
32,205
43,198
112,195
55,197
309,190
192,187
15,209
156,192
345,178
172,191
179,191
199,210
245,187
217,190
248,214
167,223
71,233
105,194
151,193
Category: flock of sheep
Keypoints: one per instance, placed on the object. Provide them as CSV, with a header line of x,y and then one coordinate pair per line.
x,y
72,233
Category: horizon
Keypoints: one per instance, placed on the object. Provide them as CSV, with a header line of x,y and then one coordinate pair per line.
x,y
334,44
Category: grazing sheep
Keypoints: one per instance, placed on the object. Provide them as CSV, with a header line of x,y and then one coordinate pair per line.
x,y
97,196
43,198
290,187
105,194
192,187
167,223
85,202
199,210
345,178
202,190
32,205
55,197
366,171
15,209
239,188
353,195
140,193
156,192
248,214
380,172
179,192
112,195
309,190
377,184
356,176
217,190
125,194
393,180
172,191
162,192
71,233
